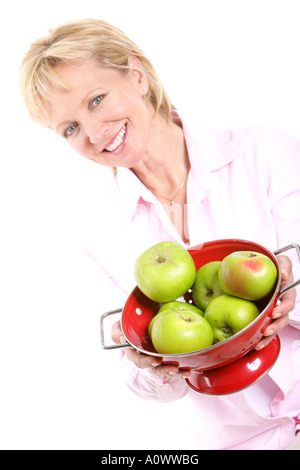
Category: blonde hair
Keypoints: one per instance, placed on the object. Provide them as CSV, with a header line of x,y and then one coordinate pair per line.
x,y
73,42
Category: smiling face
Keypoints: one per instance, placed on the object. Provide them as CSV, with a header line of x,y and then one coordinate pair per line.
x,y
104,116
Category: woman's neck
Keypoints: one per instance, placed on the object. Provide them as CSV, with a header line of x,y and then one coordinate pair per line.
x,y
164,171
166,161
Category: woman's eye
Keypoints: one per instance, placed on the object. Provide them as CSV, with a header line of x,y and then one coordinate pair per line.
x,y
70,130
96,101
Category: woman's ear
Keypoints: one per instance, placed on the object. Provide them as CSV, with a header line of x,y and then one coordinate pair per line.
x,y
138,74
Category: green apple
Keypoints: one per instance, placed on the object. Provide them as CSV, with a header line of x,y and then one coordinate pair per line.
x,y
180,329
228,315
207,285
165,271
247,274
175,305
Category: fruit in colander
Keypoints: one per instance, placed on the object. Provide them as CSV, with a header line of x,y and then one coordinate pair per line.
x,y
179,327
165,271
247,274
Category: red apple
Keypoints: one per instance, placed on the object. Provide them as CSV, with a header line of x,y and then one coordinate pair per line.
x,y
247,274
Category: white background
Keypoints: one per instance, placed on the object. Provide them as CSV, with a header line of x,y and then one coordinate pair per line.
x,y
235,62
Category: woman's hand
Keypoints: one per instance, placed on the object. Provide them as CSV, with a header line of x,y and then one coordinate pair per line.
x,y
143,361
280,314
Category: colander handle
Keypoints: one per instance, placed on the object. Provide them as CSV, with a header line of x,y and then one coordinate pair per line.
x,y
281,250
110,346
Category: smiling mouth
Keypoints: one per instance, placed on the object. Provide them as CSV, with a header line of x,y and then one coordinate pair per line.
x,y
118,140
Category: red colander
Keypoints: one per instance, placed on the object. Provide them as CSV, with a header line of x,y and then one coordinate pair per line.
x,y
228,366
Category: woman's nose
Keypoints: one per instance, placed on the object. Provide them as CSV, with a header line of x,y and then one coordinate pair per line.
x,y
97,132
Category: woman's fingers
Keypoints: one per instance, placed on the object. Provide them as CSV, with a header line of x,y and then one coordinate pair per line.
x,y
280,314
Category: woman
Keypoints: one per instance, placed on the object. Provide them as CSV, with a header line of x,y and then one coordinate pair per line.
x,y
174,180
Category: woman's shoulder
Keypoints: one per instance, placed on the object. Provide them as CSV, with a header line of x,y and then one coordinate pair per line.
x,y
262,137
247,140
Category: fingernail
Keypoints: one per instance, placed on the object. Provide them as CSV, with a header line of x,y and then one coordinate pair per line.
x,y
277,315
154,364
185,376
269,333
171,372
258,348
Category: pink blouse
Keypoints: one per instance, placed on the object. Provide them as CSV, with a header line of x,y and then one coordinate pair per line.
x,y
243,183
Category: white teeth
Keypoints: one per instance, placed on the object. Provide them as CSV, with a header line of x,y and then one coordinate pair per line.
x,y
118,140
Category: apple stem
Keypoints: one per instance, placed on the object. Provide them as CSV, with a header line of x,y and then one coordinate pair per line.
x,y
226,329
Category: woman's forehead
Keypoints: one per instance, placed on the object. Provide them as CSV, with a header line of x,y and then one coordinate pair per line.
x,y
85,71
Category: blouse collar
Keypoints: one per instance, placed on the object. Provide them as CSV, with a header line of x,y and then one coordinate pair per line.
x,y
209,151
